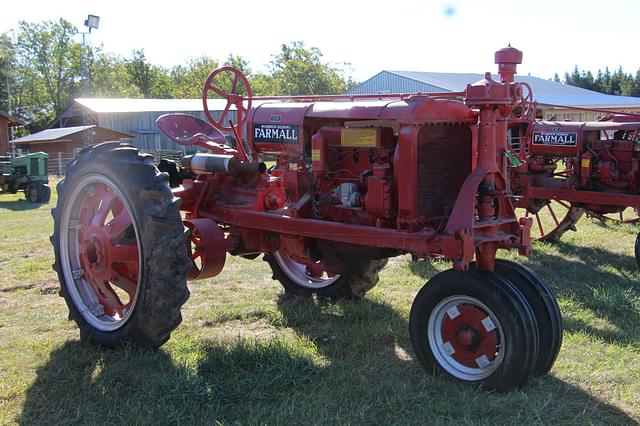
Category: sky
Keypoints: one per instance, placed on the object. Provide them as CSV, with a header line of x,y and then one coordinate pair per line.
x,y
402,35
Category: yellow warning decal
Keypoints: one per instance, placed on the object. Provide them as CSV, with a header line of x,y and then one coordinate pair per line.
x,y
585,163
315,155
358,137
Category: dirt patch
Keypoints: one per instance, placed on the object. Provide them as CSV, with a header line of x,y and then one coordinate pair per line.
x,y
255,329
43,288
49,289
17,287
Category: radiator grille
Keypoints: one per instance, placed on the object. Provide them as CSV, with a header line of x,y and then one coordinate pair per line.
x,y
444,162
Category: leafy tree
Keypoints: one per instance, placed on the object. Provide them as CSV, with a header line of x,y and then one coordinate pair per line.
x,y
7,63
163,87
297,70
140,71
239,63
188,80
109,77
48,66
263,85
152,81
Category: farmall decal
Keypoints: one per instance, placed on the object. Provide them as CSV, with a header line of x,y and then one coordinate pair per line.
x,y
275,133
555,137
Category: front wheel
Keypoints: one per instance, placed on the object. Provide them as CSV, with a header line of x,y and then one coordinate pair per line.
x,y
120,248
38,192
33,194
44,193
306,279
545,309
474,328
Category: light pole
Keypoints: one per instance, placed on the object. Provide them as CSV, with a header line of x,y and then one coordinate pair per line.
x,y
92,22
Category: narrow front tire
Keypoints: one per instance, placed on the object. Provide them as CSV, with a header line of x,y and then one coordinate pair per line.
x,y
474,328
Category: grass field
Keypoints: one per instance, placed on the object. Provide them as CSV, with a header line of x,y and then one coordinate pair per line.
x,y
246,355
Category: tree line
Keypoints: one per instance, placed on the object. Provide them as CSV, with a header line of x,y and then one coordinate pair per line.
x,y
44,66
616,83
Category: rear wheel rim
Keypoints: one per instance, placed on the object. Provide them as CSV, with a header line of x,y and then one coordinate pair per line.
x,y
466,338
100,252
553,219
300,273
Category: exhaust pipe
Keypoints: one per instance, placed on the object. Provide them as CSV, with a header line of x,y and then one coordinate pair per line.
x,y
202,163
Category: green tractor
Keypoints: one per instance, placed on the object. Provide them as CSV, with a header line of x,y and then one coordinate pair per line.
x,y
26,173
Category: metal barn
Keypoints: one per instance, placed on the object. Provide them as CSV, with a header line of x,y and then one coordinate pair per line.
x,y
137,117
546,92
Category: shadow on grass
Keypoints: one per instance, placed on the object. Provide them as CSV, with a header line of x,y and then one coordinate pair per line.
x,y
350,364
18,205
600,281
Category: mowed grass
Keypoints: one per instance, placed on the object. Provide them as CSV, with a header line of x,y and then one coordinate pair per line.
x,y
245,354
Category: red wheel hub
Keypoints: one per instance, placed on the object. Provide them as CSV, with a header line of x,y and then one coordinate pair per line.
x,y
108,249
471,335
95,251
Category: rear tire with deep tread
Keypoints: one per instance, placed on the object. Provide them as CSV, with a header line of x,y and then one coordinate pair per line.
x,y
154,224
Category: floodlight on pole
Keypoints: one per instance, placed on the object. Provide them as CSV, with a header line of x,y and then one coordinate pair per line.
x,y
92,21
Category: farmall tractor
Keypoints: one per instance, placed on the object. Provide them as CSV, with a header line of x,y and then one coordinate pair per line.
x,y
355,182
563,169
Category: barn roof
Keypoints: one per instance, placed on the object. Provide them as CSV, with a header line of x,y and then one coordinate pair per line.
x,y
123,105
544,91
11,120
50,135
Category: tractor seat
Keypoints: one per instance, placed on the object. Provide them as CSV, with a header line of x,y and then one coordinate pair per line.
x,y
187,130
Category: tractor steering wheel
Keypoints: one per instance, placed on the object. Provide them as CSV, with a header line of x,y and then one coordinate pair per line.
x,y
233,97
525,103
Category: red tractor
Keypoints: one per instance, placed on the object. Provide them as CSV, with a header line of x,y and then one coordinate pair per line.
x,y
356,180
562,169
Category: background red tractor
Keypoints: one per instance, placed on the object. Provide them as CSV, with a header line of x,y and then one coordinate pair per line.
x,y
355,182
563,170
